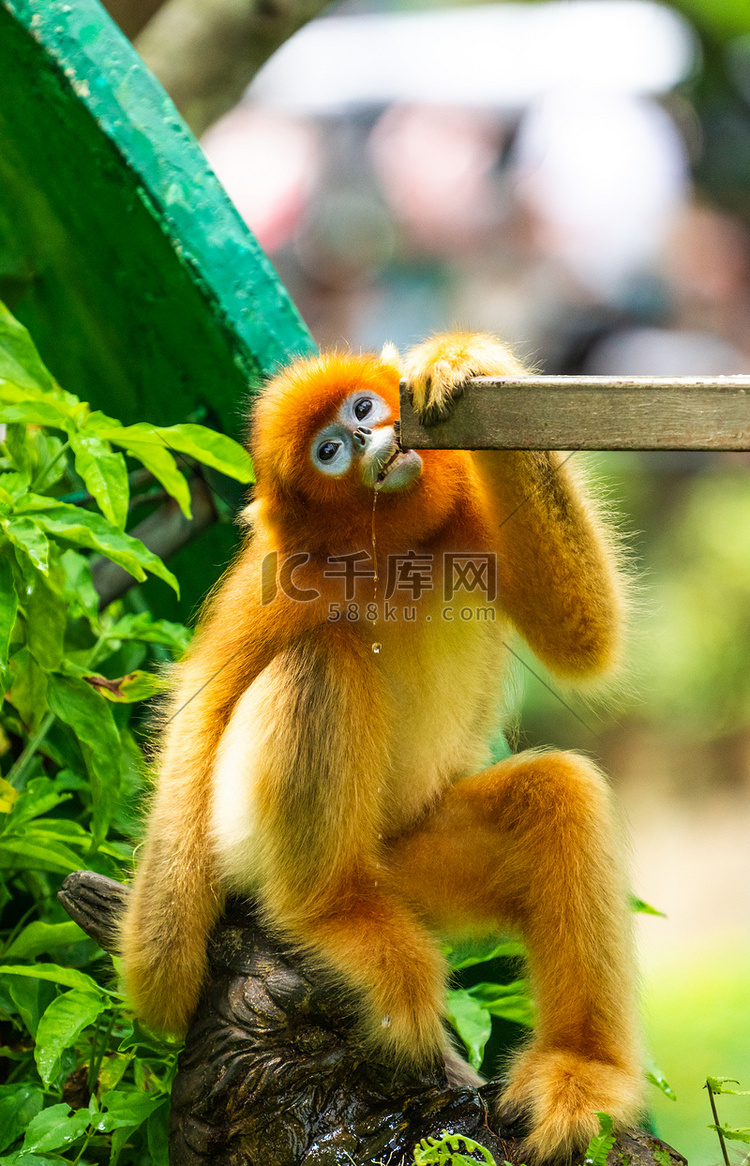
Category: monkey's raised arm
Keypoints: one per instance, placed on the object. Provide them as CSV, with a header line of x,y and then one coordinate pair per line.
x,y
558,570
557,565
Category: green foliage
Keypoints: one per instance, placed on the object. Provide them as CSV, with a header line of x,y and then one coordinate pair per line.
x,y
732,1132
601,1143
655,1076
81,1082
448,1150
716,1085
470,1010
721,1085
638,907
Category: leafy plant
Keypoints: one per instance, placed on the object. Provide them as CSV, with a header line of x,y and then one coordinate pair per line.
x,y
601,1143
448,1150
716,1085
80,1081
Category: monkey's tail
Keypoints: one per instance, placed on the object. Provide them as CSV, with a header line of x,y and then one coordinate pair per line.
x,y
173,906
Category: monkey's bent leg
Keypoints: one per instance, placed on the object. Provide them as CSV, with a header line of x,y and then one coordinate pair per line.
x,y
385,954
531,843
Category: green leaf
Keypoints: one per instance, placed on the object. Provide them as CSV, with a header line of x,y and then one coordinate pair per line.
x,y
62,830
19,360
29,406
40,796
210,448
25,533
8,796
112,1070
46,619
90,718
56,1127
78,586
104,473
637,906
138,685
158,1136
40,938
509,1001
60,1027
8,608
21,1158
143,442
28,690
68,977
86,529
447,1151
20,448
655,1076
140,1037
720,1085
145,628
118,1142
30,853
17,1108
30,998
126,1109
731,1132
600,1145
471,952
472,1023
15,486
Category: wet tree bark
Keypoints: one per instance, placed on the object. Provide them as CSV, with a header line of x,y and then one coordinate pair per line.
x,y
272,1072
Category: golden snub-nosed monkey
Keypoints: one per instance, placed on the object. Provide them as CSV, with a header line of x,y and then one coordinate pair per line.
x,y
336,767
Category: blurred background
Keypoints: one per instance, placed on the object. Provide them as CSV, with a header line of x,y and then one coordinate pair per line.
x,y
574,177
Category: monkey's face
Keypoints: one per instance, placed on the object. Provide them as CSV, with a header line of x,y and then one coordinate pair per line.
x,y
325,441
362,440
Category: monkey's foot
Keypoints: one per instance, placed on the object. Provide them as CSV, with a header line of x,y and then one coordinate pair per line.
x,y
406,1026
561,1093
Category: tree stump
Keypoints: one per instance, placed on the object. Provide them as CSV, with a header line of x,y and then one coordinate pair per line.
x,y
272,1072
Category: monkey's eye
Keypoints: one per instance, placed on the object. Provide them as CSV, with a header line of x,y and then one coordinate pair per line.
x,y
328,450
360,405
331,452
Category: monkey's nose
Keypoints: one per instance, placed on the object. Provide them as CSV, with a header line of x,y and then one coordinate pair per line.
x,y
361,434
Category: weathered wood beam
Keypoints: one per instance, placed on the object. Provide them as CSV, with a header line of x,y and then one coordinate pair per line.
x,y
559,412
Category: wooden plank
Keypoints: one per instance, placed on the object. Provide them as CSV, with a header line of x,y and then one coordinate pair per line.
x,y
562,412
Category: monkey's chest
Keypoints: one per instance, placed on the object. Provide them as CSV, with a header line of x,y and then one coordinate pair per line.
x,y
444,684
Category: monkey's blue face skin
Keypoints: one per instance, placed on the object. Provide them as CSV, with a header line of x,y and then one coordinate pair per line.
x,y
362,435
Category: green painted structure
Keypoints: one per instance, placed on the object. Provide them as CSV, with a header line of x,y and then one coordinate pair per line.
x,y
119,249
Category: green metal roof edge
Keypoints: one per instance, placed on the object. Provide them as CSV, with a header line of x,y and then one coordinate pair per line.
x,y
205,230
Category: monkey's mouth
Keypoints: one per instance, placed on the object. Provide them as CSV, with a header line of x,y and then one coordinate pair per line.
x,y
388,464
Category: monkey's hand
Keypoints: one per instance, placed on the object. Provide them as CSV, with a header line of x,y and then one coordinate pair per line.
x,y
561,1093
438,370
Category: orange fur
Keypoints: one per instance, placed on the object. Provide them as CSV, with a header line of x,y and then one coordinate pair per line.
x,y
348,790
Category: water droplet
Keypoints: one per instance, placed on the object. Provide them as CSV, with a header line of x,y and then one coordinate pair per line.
x,y
385,1022
376,648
